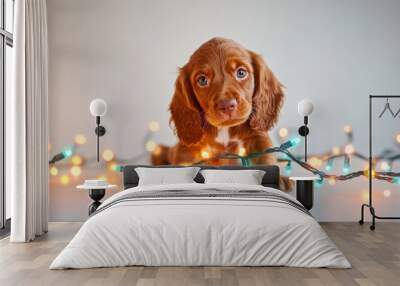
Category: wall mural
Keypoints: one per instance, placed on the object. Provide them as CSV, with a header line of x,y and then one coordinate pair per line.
x,y
226,86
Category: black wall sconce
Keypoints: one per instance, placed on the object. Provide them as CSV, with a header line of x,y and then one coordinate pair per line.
x,y
305,108
98,108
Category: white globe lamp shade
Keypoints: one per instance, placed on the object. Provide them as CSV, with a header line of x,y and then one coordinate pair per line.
x,y
98,107
305,107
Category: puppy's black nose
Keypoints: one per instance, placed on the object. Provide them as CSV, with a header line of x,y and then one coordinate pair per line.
x,y
227,105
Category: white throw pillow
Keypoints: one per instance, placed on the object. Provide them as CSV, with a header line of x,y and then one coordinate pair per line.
x,y
248,177
165,176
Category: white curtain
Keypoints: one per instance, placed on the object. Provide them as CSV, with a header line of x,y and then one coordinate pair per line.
x,y
28,123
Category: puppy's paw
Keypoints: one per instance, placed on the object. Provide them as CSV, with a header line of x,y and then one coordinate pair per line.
x,y
285,184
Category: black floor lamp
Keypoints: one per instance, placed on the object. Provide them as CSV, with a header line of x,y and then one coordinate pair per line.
x,y
305,107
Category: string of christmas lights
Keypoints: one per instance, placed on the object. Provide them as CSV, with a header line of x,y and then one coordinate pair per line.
x,y
392,177
68,164
346,152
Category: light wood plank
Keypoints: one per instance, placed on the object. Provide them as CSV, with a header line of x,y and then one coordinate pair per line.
x,y
375,257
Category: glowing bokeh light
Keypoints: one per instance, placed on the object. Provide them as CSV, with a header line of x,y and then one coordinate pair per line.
x,y
151,146
76,160
365,196
315,162
366,173
108,155
346,170
335,150
242,151
347,128
205,154
398,138
157,150
329,165
154,126
288,168
76,171
64,179
290,143
385,166
283,132
102,177
349,149
346,165
114,167
295,141
80,139
332,181
319,183
67,153
386,193
53,171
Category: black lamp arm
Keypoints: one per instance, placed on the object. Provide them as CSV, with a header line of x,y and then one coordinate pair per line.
x,y
303,131
305,120
100,131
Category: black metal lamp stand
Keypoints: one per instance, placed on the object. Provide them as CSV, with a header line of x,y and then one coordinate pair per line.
x,y
96,195
100,131
303,131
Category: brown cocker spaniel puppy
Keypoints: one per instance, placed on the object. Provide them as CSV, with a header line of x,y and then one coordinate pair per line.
x,y
226,99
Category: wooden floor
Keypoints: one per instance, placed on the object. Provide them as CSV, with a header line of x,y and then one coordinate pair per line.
x,y
375,257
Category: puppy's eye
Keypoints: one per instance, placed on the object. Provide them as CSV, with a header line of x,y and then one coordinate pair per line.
x,y
241,73
202,81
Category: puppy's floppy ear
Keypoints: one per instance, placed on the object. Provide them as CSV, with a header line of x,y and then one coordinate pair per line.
x,y
268,95
186,112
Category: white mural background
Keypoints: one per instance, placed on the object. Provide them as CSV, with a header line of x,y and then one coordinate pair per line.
x,y
127,52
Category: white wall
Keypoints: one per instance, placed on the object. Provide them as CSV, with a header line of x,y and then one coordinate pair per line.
x,y
127,52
